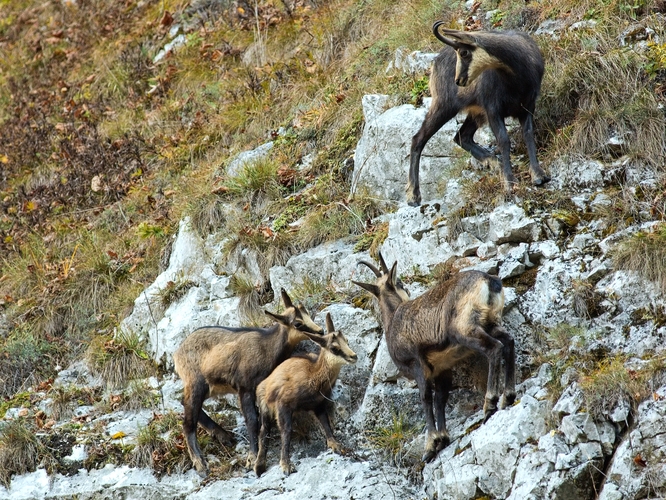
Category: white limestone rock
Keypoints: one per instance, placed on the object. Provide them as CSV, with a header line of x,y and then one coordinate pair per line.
x,y
381,160
509,224
638,467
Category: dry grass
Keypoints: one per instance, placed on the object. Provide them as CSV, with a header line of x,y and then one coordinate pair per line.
x,y
611,383
252,297
120,359
20,449
593,90
644,253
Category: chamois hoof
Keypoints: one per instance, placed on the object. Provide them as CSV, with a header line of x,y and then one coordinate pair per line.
x,y
287,468
540,181
335,447
202,469
488,413
251,461
429,456
413,197
507,400
259,468
442,442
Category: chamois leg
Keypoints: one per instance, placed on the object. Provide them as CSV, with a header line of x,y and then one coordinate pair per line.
x,y
260,463
331,442
425,392
504,145
249,409
224,437
443,384
285,424
465,139
480,341
539,177
193,399
509,355
438,114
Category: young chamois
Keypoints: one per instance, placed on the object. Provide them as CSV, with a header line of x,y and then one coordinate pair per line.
x,y
217,360
428,336
302,383
490,75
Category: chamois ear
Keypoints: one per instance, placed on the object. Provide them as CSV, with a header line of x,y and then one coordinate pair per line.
x,y
286,299
373,289
459,37
322,340
392,273
280,318
329,324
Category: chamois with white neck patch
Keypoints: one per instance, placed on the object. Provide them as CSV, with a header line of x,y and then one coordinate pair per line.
x,y
302,383
490,75
428,336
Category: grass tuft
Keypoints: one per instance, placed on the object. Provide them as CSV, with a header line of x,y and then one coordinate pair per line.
x,y
20,449
645,254
393,438
119,359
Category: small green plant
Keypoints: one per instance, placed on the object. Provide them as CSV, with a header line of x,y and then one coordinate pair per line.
x,y
656,56
148,231
119,359
419,90
645,253
393,438
372,239
174,290
496,18
18,400
20,449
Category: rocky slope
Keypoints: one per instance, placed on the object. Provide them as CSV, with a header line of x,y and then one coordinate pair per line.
x,y
550,444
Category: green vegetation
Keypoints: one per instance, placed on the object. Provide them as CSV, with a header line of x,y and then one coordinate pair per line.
x,y
174,290
392,439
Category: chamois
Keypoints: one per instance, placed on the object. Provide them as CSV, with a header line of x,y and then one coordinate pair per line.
x,y
216,360
302,383
428,336
490,75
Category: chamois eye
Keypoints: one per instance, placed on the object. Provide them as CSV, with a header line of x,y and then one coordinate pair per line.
x,y
464,53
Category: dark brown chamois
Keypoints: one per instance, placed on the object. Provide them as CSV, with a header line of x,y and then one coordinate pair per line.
x,y
490,75
428,336
217,360
302,383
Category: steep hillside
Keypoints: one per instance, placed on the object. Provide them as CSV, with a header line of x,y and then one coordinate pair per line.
x,y
256,132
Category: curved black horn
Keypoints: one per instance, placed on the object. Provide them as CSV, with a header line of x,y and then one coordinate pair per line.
x,y
385,269
371,267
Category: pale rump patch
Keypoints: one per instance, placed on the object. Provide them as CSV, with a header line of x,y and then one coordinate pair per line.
x,y
481,61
